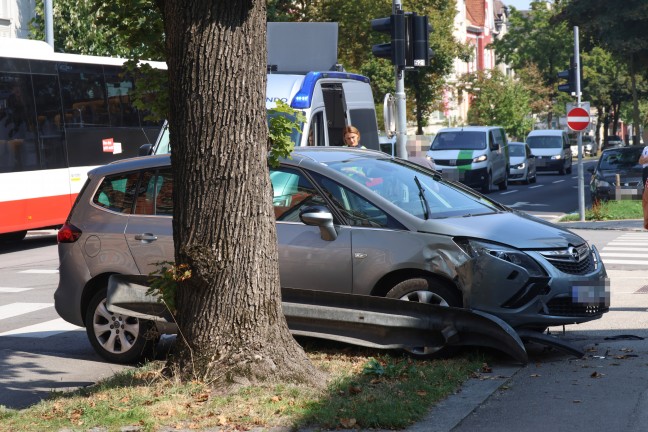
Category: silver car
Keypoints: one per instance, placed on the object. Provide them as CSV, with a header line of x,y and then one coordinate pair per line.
x,y
522,165
387,226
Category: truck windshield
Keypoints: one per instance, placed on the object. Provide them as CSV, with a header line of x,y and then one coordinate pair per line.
x,y
459,140
163,145
545,142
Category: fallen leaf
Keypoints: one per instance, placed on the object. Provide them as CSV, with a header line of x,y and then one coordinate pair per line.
x,y
421,392
275,398
486,369
222,420
355,389
596,375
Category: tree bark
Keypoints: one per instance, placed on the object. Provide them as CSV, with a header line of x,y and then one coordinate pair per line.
x,y
232,328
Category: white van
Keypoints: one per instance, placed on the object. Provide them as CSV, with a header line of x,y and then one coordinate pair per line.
x,y
477,156
552,150
303,72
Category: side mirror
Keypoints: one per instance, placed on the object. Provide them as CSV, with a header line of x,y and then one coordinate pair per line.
x,y
145,149
321,217
495,146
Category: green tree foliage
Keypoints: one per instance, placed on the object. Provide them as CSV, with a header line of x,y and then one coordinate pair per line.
x,y
498,100
534,41
619,28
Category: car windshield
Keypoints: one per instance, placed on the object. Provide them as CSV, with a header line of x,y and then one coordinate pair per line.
x,y
544,142
615,160
516,150
419,192
459,140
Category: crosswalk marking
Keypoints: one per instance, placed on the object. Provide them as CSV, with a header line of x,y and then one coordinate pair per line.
x,y
12,290
39,271
15,309
42,330
627,249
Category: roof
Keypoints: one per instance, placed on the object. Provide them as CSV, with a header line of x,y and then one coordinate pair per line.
x,y
546,132
475,12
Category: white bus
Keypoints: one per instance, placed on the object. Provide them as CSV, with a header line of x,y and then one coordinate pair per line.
x,y
60,116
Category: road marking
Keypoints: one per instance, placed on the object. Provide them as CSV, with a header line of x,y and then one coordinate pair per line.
x,y
557,181
12,290
628,262
43,330
624,254
638,249
536,186
625,250
39,271
15,309
508,192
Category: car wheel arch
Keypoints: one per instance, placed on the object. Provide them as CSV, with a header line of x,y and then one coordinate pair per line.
x,y
93,286
390,280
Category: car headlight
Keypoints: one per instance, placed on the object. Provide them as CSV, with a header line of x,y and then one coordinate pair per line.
x,y
481,158
519,166
475,248
556,157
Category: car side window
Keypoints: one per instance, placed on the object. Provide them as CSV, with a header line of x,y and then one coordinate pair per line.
x,y
292,191
116,193
154,194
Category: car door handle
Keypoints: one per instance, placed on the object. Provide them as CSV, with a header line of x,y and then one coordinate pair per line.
x,y
146,237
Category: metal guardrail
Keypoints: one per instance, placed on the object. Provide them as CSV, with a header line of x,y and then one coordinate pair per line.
x,y
361,320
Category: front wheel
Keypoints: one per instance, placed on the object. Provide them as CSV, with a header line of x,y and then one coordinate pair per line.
x,y
118,338
426,290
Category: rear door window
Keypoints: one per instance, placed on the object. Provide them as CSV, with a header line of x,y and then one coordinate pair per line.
x,y
116,193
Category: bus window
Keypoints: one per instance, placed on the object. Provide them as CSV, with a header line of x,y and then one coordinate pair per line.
x,y
84,95
18,149
51,141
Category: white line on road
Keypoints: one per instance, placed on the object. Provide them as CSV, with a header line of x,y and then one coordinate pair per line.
x,y
536,186
629,255
628,262
628,249
15,309
627,243
557,181
508,192
40,271
12,290
42,330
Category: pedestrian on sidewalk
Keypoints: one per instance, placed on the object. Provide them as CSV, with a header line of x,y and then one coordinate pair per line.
x,y
643,160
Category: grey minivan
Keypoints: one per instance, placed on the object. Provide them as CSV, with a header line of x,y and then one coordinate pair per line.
x,y
387,226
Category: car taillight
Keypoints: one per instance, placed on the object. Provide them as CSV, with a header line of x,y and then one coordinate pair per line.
x,y
68,233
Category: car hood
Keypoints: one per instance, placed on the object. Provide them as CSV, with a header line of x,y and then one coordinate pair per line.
x,y
515,160
627,175
512,228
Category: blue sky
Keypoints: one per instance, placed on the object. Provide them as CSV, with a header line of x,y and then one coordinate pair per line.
x,y
518,4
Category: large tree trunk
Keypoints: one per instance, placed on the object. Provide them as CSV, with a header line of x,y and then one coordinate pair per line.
x,y
232,328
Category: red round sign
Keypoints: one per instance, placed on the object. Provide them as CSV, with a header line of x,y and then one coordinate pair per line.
x,y
578,119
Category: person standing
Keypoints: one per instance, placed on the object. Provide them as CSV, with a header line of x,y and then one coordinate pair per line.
x,y
643,160
351,137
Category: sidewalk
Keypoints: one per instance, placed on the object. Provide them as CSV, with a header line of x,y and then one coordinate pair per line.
x,y
620,225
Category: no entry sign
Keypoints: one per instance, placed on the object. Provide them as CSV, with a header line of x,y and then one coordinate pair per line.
x,y
578,119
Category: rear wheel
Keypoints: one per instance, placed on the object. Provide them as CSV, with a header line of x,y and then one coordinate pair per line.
x,y
118,338
425,289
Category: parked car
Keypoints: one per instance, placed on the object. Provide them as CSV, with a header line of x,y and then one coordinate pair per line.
x,y
476,156
387,227
522,163
590,146
552,150
621,161
613,141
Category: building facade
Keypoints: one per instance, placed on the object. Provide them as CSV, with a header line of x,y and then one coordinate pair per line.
x,y
15,16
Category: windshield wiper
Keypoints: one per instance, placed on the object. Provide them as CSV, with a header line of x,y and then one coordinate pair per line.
x,y
423,199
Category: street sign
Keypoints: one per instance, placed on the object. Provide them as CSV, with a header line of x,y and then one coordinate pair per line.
x,y
578,119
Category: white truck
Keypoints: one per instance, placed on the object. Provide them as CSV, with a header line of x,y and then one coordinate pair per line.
x,y
304,73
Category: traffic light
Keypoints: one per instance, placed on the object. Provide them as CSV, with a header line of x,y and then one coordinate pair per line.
x,y
395,26
418,43
570,76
